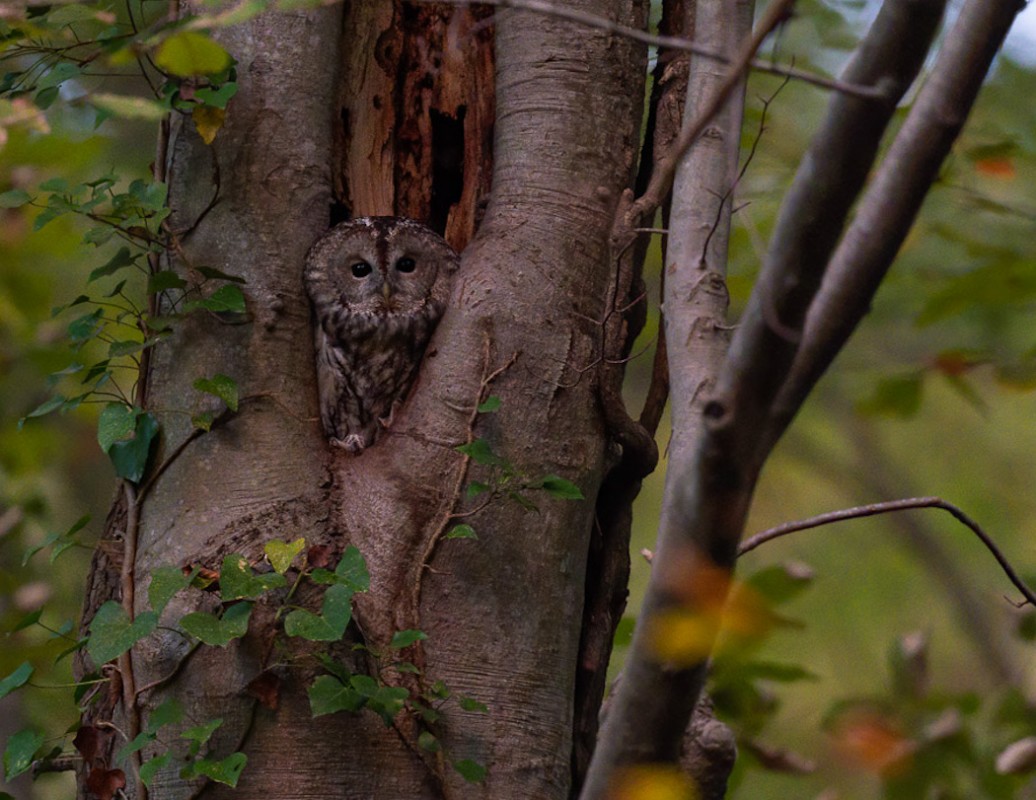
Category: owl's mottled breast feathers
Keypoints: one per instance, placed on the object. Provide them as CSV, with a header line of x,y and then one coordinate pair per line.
x,y
379,286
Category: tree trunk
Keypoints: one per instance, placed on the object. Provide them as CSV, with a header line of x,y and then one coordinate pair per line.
x,y
503,613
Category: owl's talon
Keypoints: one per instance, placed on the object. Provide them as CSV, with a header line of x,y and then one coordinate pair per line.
x,y
353,443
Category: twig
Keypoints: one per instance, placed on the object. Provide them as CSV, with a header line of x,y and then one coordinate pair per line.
x,y
884,508
128,574
665,169
677,43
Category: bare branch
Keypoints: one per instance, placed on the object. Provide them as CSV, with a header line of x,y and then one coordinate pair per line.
x,y
889,207
887,507
676,43
665,169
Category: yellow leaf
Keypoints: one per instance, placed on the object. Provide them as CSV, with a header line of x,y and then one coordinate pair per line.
x,y
208,121
651,782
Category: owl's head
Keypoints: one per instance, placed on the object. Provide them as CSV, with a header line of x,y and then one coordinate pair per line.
x,y
380,266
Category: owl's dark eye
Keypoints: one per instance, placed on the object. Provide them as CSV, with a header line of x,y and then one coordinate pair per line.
x,y
361,269
406,265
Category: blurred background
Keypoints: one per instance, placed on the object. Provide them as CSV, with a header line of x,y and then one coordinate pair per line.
x,y
896,663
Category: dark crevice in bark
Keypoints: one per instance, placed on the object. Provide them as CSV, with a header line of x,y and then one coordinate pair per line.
x,y
447,165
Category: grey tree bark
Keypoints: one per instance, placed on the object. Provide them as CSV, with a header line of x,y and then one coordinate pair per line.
x,y
503,614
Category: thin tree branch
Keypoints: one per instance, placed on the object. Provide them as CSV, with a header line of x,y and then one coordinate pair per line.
x,y
886,507
677,43
665,169
887,211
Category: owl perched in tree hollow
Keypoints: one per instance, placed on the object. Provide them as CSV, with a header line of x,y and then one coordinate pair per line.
x,y
379,286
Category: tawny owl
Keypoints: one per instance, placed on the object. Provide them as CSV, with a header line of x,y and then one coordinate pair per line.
x,y
379,286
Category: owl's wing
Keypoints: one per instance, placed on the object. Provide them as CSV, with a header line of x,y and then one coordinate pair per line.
x,y
332,385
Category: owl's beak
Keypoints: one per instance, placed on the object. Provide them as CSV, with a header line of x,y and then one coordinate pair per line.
x,y
386,291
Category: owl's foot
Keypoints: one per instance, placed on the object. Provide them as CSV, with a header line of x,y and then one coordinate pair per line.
x,y
353,443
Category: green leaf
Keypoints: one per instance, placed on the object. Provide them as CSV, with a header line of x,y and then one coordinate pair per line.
x,y
218,631
471,704
330,624
781,582
489,405
16,679
221,386
226,770
352,570
401,639
227,302
130,457
216,98
558,488
191,53
282,554
895,397
203,421
117,423
200,734
386,701
129,107
471,771
119,261
54,403
328,695
237,581
165,583
150,768
481,453
426,741
19,752
164,280
169,713
13,198
461,532
475,488
84,328
112,633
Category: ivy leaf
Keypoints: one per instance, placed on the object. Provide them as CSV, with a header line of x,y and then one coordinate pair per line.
x,y
117,423
330,624
328,695
150,768
471,771
227,302
489,405
208,121
221,386
13,198
401,639
112,633
164,280
352,570
558,488
226,770
199,735
282,554
481,453
216,98
475,488
54,403
471,704
165,583
191,53
427,742
16,679
237,581
130,457
119,261
19,752
461,532
218,631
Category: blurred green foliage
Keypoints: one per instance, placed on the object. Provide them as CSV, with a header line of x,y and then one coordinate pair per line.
x,y
929,398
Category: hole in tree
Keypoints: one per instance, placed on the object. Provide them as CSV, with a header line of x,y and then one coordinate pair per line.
x,y
447,166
